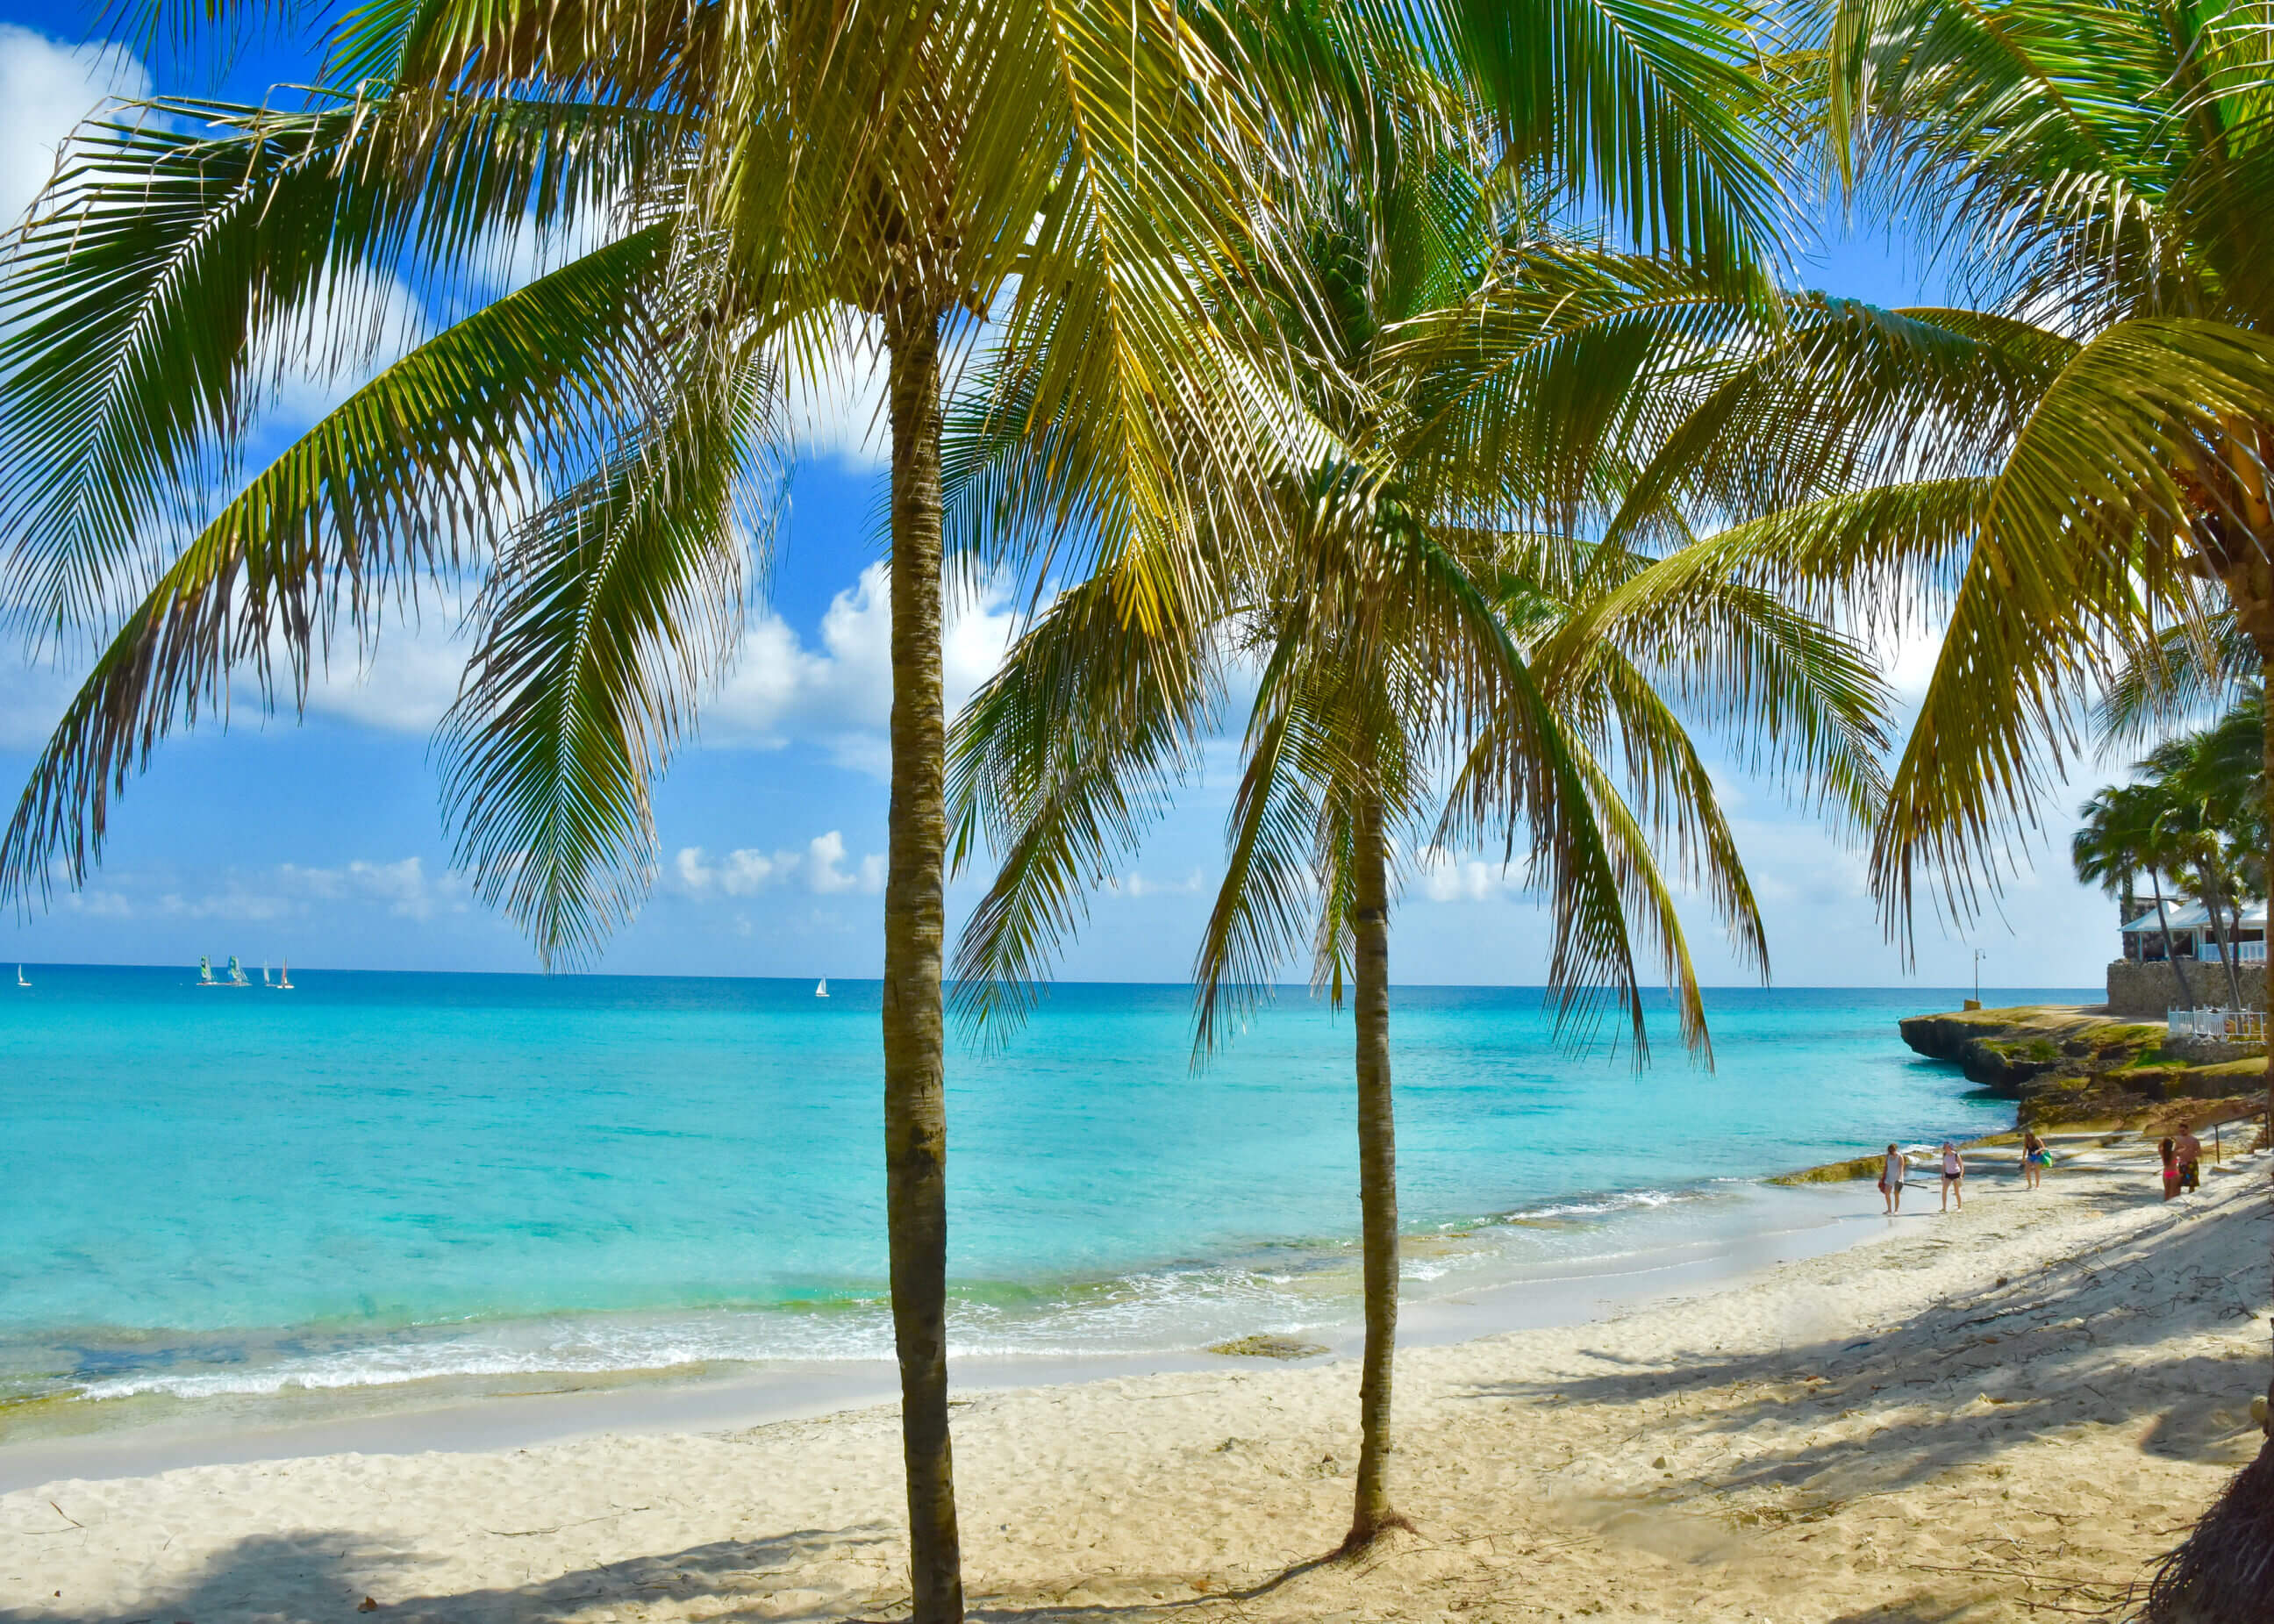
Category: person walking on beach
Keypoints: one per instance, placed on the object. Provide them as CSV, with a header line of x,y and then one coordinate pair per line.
x,y
2171,1168
2033,1157
1891,1179
2189,1149
1954,1177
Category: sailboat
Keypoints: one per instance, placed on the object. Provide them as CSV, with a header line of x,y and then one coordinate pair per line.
x,y
822,990
286,984
205,972
20,981
237,973
265,981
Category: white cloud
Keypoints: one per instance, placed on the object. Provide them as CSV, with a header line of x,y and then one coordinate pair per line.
x,y
292,891
404,682
1447,878
820,868
840,695
46,89
840,414
1138,885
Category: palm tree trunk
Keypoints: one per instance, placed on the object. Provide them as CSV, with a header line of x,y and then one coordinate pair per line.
x,y
1377,1175
916,1106
2266,764
2171,954
2221,935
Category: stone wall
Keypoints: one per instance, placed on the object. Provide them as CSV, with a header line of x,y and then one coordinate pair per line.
x,y
2146,991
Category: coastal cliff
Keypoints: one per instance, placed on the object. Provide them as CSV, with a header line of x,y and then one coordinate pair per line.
x,y
2066,1063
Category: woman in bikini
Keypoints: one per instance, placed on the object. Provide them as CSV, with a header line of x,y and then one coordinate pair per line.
x,y
2170,1154
2034,1158
1954,1177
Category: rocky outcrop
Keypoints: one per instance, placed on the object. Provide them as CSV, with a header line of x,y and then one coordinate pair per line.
x,y
2064,1064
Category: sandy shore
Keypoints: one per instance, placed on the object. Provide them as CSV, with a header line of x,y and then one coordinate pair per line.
x,y
1974,1415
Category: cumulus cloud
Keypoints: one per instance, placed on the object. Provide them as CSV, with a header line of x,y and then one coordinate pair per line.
x,y
819,869
840,693
287,892
404,682
1445,877
47,88
1138,885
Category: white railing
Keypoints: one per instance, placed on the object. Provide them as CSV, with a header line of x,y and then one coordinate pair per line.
x,y
2238,1025
2245,952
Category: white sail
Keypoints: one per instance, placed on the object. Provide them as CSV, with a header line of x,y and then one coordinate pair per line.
x,y
20,981
286,984
822,990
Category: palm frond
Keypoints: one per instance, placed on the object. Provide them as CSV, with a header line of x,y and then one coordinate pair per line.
x,y
348,516
605,619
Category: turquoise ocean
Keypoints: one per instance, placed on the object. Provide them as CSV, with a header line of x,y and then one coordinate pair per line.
x,y
385,1179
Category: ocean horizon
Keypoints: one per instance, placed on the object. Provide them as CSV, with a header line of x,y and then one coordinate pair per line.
x,y
382,1178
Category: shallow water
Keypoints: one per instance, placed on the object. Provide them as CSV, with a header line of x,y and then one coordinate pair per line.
x,y
382,1178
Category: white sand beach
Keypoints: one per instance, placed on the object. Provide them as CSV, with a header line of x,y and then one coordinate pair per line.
x,y
1973,1417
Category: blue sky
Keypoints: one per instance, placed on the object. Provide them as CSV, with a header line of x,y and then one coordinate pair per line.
x,y
320,841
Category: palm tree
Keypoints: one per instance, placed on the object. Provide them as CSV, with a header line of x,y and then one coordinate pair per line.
x,y
592,451
595,449
2117,838
1408,627
2073,463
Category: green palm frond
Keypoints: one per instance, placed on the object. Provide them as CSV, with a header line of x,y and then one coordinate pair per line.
x,y
2184,671
1059,761
345,519
169,265
606,618
1653,109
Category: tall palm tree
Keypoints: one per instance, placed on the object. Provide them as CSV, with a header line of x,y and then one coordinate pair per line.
x,y
1409,628
592,451
2072,462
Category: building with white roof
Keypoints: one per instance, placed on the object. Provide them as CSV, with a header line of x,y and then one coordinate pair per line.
x,y
2192,936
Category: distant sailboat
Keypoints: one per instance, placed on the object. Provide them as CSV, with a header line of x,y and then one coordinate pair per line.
x,y
237,973
286,984
822,991
205,972
265,981
20,981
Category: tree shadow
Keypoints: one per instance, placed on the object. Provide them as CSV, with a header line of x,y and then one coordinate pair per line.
x,y
328,1572
2051,1348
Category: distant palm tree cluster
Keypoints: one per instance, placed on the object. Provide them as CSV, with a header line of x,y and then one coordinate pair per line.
x,y
2195,813
1420,392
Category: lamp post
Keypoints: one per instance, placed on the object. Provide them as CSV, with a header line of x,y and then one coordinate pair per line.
x,y
1974,1003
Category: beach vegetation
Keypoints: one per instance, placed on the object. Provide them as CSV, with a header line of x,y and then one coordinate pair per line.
x,y
1429,654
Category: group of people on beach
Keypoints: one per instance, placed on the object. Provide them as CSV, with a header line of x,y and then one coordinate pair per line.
x,y
1895,1171
2182,1155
